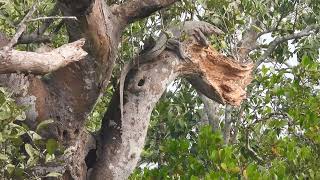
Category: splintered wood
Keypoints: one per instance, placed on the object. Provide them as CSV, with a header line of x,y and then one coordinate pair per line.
x,y
227,78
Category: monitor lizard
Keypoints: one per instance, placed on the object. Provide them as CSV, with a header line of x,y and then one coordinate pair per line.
x,y
170,39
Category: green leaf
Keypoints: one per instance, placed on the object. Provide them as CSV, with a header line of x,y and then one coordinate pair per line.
x,y
53,174
34,136
264,70
50,157
194,178
33,153
4,157
306,60
256,28
44,124
29,149
51,146
10,168
224,166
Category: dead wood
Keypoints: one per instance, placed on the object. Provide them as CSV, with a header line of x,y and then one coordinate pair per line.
x,y
13,61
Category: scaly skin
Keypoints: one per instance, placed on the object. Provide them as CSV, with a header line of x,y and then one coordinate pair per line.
x,y
196,29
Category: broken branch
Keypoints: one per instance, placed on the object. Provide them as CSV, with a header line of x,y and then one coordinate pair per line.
x,y
41,63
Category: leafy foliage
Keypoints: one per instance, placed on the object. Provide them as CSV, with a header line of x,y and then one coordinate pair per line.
x,y
285,138
22,149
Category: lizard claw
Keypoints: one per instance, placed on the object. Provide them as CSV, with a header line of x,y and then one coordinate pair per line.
x,y
200,30
176,46
201,38
206,28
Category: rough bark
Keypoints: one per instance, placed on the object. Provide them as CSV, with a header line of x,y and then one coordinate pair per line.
x,y
122,141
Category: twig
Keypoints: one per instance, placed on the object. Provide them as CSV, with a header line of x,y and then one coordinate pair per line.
x,y
47,23
21,27
40,38
53,17
37,36
251,151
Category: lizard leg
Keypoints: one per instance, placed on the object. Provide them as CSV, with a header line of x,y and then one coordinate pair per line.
x,y
201,38
177,47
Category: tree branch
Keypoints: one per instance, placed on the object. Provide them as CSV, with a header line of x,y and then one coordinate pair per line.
x,y
133,10
249,41
53,17
34,38
212,111
272,45
227,124
41,63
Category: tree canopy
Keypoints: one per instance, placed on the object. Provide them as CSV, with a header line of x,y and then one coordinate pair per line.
x,y
206,123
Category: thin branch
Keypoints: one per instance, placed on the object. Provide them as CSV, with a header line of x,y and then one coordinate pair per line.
x,y
34,38
272,45
48,22
253,153
249,42
21,27
53,17
40,38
